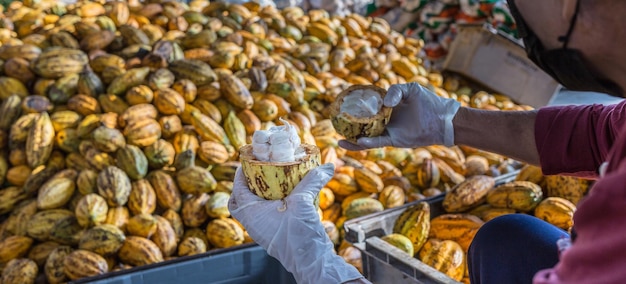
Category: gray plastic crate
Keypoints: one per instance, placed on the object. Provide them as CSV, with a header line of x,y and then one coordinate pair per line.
x,y
383,261
244,264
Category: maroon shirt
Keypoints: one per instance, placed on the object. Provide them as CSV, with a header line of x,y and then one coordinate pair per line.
x,y
576,140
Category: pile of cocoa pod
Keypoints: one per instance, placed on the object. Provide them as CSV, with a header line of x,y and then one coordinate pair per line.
x,y
442,241
120,123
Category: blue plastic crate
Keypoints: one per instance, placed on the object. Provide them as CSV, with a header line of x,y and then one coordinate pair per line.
x,y
244,264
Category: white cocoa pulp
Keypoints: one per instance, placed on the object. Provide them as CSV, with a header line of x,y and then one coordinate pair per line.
x,y
362,103
277,144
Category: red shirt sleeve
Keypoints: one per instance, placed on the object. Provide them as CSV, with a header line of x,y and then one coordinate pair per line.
x,y
575,140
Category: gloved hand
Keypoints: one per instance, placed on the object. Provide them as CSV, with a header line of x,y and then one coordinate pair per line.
x,y
419,118
290,229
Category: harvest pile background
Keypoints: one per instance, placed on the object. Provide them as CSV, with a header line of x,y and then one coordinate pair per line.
x,y
120,124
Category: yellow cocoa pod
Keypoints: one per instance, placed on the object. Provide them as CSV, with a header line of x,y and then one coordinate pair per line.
x,y
414,223
141,94
118,217
40,141
160,154
217,205
197,233
476,165
448,175
88,125
142,133
17,175
557,211
187,89
191,246
132,161
22,214
139,251
224,233
103,239
326,197
164,236
40,252
342,184
167,193
361,207
169,102
250,121
198,72
193,212
468,194
186,140
392,196
67,140
207,108
53,268
491,213
401,242
86,181
235,130
9,197
368,181
142,225
235,92
518,195
460,228
176,221
82,263
14,247
213,152
208,129
266,110
133,77
58,62
97,40
170,125
91,210
348,199
332,213
108,139
427,174
446,256
137,112
10,111
66,231
55,193
142,197
114,185
20,270
195,180
570,188
42,223
112,103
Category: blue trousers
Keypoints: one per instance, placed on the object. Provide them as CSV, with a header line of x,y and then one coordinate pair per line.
x,y
510,249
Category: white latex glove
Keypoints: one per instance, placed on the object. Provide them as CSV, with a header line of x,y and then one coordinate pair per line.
x,y
419,118
290,230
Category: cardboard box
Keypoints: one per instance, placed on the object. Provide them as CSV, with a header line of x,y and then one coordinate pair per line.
x,y
499,62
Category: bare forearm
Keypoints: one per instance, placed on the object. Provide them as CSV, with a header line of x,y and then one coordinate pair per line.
x,y
509,133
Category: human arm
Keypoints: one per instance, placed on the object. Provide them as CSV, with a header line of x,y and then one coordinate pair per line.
x,y
509,133
290,229
563,139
